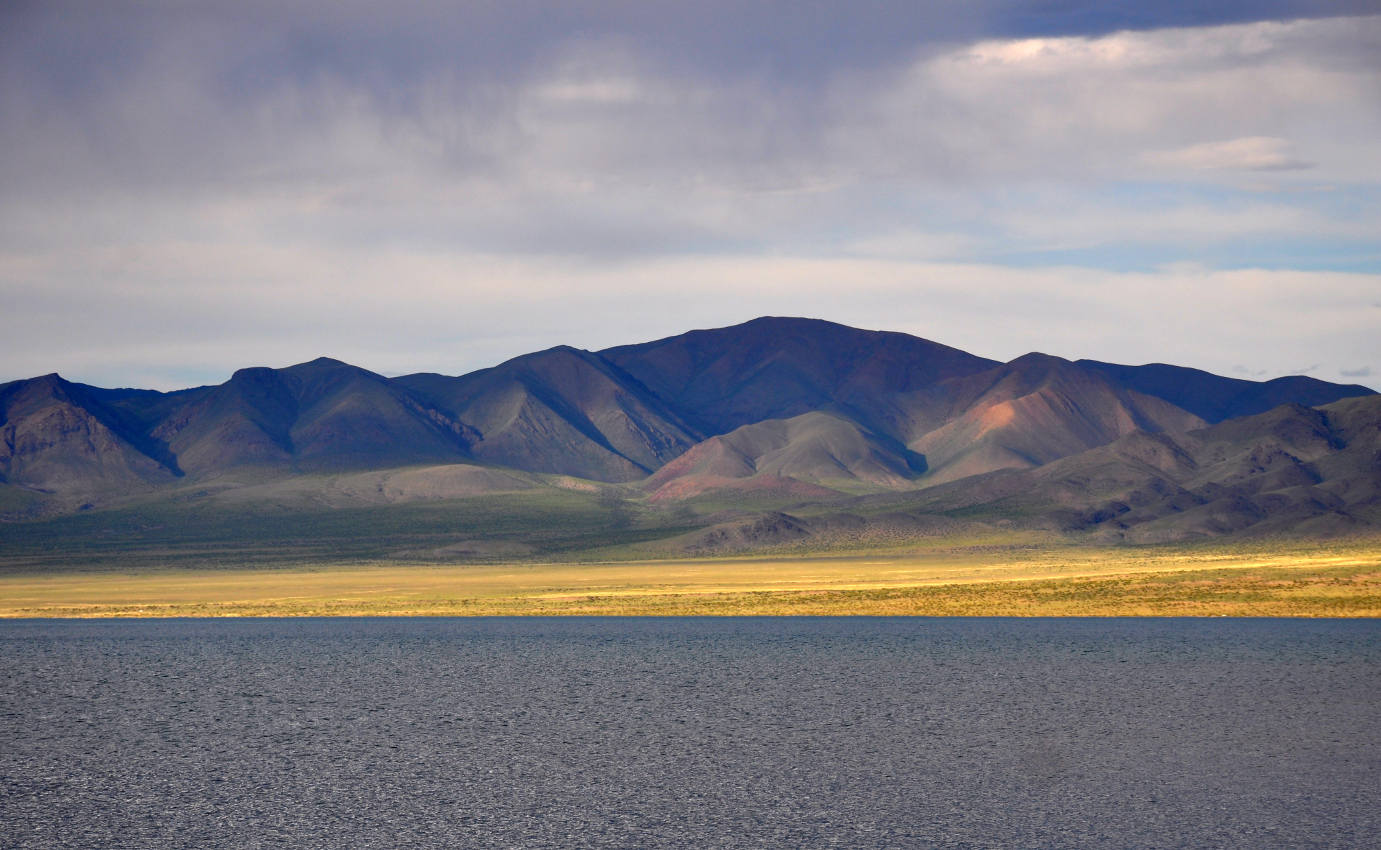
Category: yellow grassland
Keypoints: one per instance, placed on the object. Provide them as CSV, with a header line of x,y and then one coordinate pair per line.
x,y
1306,580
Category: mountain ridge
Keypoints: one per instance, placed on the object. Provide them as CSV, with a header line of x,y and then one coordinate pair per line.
x,y
779,408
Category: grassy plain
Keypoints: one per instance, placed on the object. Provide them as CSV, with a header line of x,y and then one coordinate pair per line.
x,y
1336,579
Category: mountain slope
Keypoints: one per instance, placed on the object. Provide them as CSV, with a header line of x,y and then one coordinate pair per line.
x,y
324,414
816,448
1026,413
245,421
562,411
1293,468
1214,398
58,440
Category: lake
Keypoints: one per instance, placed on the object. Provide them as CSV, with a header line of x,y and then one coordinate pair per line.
x,y
690,732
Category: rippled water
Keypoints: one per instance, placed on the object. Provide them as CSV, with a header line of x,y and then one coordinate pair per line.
x,y
771,732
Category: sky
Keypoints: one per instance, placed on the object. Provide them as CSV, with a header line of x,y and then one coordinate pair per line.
x,y
187,189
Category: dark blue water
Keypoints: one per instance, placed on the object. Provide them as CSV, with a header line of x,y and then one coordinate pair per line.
x,y
773,732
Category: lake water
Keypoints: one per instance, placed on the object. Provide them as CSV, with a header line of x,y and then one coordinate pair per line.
x,y
752,732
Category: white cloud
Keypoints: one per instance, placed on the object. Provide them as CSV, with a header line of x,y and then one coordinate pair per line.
x,y
1263,95
1253,153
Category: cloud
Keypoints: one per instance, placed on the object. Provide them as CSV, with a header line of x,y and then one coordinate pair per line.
x,y
179,314
219,106
1254,153
440,186
1359,372
1130,104
599,145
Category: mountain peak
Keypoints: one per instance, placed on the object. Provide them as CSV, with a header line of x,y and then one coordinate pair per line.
x,y
555,352
253,372
323,363
52,380
326,368
777,367
50,385
791,322
1038,358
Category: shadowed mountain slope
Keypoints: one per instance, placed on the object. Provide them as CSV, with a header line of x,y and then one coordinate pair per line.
x,y
319,415
777,368
247,420
1214,398
563,411
56,438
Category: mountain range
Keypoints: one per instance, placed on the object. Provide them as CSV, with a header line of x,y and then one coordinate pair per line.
x,y
796,410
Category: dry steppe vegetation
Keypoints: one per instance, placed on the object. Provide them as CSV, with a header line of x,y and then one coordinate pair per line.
x,y
1281,579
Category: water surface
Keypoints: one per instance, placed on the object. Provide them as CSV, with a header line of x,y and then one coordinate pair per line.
x,y
678,732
